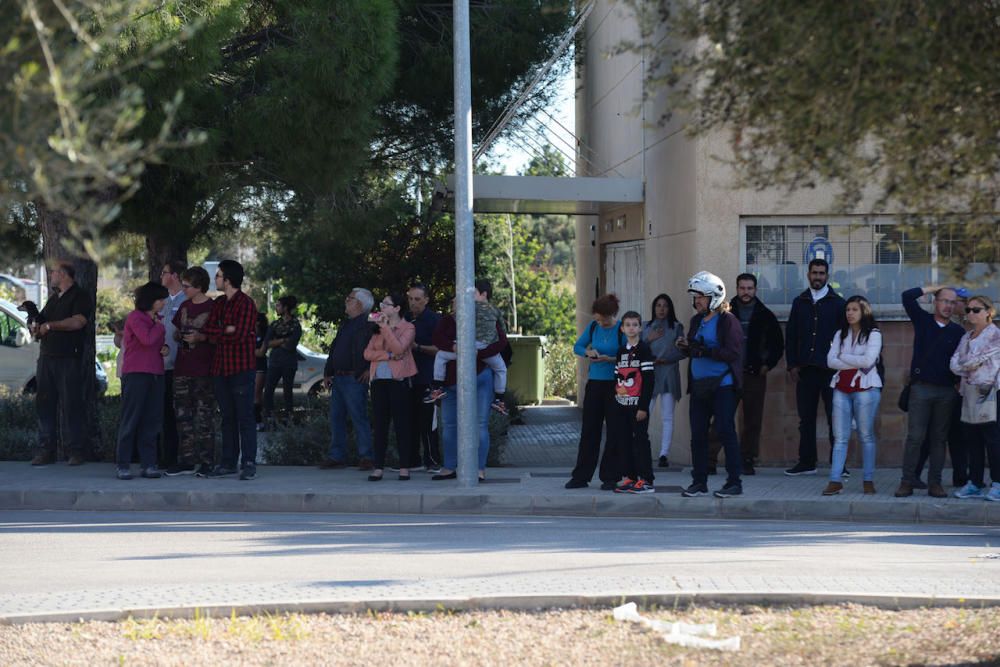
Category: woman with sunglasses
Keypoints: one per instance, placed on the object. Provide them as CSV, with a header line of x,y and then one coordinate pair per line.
x,y
977,362
857,390
392,366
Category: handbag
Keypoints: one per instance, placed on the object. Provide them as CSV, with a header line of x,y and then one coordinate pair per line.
x,y
904,398
979,403
704,389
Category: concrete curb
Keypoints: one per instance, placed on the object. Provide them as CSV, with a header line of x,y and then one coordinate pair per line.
x,y
660,505
514,602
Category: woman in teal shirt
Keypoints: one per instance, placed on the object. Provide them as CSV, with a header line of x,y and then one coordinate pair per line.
x,y
598,344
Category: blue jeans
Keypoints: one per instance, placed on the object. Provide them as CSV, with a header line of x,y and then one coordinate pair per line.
x,y
449,420
239,428
348,397
862,406
721,407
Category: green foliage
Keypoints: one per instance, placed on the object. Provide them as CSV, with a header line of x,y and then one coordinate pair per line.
x,y
896,99
306,442
112,305
523,281
70,116
560,369
19,433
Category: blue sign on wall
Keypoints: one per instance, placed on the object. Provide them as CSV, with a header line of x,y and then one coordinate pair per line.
x,y
819,248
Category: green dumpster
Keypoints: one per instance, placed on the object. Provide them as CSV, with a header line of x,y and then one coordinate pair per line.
x,y
526,374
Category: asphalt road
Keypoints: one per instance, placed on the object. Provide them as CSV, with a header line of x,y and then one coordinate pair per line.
x,y
86,561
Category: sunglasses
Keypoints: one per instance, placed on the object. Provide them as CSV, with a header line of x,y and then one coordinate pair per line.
x,y
973,309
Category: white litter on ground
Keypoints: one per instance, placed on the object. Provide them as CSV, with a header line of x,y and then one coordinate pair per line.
x,y
682,634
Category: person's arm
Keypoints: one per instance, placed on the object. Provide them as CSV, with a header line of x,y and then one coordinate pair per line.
x,y
214,326
912,308
775,341
580,346
648,380
291,341
955,364
833,359
873,348
673,353
398,344
146,330
732,346
374,351
244,321
792,337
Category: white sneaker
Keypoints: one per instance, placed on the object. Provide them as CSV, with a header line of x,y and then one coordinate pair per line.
x,y
970,490
994,492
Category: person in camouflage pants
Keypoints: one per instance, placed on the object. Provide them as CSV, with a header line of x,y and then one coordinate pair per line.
x,y
195,408
194,401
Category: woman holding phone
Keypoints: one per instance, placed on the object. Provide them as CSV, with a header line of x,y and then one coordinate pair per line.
x,y
598,344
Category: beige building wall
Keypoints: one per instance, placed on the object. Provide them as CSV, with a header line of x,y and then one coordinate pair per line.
x,y
691,221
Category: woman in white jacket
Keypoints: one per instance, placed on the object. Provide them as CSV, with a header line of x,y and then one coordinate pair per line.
x,y
977,362
857,390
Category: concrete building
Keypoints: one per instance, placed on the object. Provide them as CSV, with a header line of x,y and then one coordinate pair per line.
x,y
694,218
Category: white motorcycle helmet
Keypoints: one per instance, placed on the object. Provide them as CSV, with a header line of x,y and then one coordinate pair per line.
x,y
708,284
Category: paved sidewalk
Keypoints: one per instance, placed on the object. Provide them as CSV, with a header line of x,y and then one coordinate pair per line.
x,y
509,491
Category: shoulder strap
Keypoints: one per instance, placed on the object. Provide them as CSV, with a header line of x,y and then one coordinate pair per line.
x,y
593,326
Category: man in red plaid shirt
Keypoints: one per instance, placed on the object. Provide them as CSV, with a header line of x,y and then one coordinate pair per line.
x,y
230,328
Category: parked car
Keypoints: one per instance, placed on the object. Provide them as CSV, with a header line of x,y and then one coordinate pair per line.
x,y
309,376
19,353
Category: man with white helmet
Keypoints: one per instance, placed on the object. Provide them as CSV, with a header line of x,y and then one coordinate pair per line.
x,y
715,377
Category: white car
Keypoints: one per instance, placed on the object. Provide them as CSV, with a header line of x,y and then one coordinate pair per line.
x,y
19,353
309,375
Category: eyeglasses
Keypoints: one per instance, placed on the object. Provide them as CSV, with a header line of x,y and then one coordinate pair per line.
x,y
388,304
186,286
165,272
974,309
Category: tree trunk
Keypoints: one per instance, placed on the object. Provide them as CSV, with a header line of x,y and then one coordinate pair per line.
x,y
54,232
159,251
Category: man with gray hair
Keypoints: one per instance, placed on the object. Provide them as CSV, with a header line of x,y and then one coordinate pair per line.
x,y
346,375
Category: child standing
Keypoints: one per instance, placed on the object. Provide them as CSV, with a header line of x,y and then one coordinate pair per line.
x,y
142,382
488,318
634,378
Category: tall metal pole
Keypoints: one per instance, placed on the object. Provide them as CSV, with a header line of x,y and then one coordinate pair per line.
x,y
465,258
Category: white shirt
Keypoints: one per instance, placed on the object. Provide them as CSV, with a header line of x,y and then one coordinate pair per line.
x,y
170,309
819,294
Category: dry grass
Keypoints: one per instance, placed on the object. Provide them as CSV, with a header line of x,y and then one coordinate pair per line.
x,y
829,635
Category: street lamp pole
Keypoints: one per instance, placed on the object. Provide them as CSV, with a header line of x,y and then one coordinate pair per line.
x,y
465,258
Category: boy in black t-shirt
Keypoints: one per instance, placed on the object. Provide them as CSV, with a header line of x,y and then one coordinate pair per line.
x,y
634,390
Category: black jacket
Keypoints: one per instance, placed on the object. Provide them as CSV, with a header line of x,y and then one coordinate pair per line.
x,y
811,327
765,342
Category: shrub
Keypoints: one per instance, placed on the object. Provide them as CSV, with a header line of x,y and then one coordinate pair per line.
x,y
18,426
560,370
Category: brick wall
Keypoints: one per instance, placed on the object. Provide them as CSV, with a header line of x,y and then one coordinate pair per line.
x,y
780,437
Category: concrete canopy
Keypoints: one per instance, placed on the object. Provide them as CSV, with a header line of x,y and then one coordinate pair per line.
x,y
547,194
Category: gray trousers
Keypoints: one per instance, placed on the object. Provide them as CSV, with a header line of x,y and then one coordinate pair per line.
x,y
928,418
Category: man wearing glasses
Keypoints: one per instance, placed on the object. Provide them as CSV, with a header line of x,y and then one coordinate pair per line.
x,y
932,386
170,277
346,376
230,328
